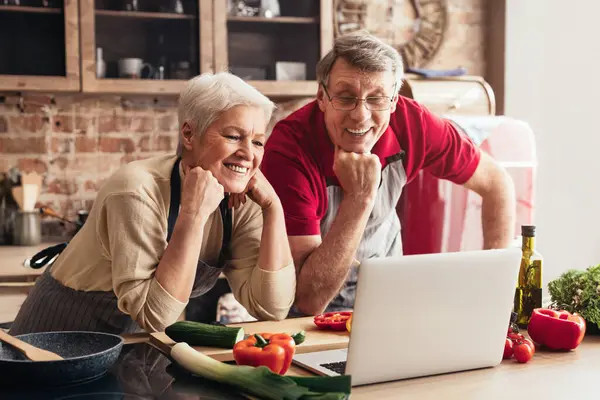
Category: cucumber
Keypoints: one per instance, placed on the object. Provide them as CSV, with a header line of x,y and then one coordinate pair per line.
x,y
199,334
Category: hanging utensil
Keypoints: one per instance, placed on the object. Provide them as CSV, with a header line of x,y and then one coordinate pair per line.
x,y
48,212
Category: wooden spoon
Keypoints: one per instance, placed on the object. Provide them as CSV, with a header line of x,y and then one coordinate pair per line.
x,y
31,352
17,193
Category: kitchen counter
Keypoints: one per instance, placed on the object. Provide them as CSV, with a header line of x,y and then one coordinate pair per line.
x,y
144,372
11,262
16,280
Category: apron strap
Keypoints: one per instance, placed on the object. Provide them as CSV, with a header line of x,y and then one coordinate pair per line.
x,y
227,218
175,198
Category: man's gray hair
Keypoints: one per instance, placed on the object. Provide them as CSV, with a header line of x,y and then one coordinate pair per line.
x,y
365,52
209,95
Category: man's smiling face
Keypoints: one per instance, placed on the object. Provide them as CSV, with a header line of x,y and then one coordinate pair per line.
x,y
357,130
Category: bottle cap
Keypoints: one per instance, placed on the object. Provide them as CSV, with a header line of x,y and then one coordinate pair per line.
x,y
528,230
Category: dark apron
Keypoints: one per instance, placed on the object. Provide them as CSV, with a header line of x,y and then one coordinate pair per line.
x,y
51,306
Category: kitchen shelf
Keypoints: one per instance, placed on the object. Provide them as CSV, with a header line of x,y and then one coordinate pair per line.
x,y
209,40
286,89
32,10
143,14
257,48
276,20
137,86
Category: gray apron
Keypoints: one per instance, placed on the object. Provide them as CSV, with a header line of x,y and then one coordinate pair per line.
x,y
51,306
381,237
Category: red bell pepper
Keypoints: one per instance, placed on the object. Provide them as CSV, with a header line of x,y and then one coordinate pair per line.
x,y
335,320
273,350
557,330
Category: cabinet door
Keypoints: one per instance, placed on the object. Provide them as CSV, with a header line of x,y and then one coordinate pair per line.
x,y
144,46
39,45
274,45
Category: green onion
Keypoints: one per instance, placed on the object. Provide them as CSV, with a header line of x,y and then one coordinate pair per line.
x,y
257,381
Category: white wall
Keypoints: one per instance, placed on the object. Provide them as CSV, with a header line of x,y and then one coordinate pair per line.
x,y
552,81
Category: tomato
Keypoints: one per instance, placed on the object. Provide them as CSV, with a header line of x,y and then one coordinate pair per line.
x,y
515,336
530,344
522,352
508,349
335,320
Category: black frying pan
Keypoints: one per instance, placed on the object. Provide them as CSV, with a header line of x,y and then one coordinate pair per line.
x,y
87,356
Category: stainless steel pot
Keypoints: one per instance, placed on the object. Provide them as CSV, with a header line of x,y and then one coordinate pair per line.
x,y
27,228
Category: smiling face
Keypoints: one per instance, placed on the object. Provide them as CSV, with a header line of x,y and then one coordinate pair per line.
x,y
232,147
357,130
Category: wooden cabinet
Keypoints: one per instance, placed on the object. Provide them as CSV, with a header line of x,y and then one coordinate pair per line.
x,y
145,46
155,46
39,45
277,53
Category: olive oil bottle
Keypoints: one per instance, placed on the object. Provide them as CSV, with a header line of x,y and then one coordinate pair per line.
x,y
528,294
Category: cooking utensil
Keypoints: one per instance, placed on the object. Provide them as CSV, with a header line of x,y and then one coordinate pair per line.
x,y
31,352
87,356
27,228
49,212
17,194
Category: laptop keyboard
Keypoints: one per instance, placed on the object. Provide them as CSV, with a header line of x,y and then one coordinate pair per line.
x,y
338,367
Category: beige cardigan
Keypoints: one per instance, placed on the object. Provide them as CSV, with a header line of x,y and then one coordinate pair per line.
x,y
121,244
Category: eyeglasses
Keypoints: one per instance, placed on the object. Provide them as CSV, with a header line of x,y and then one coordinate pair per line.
x,y
348,103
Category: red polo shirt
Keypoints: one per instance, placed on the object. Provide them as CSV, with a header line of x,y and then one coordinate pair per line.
x,y
298,160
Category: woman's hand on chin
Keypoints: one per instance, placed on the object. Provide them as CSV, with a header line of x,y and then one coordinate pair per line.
x,y
201,192
259,190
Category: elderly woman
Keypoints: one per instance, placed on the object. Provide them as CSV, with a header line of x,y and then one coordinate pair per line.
x,y
163,229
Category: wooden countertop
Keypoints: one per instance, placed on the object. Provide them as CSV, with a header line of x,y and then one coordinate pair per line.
x,y
11,262
548,375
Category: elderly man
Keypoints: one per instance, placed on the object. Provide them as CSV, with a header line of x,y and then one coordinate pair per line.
x,y
339,165
163,229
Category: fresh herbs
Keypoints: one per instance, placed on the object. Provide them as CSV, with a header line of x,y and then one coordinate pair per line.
x,y
578,291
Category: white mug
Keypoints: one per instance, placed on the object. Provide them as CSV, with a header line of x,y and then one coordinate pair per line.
x,y
132,68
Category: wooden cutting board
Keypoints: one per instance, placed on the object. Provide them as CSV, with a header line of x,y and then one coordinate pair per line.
x,y
316,339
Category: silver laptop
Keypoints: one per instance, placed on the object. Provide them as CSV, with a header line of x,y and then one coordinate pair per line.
x,y
421,315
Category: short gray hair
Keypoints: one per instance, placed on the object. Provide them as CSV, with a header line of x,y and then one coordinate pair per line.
x,y
364,51
207,96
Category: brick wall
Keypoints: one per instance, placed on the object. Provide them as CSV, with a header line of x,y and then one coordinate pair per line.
x,y
77,141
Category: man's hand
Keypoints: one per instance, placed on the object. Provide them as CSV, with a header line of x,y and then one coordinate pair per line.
x,y
201,193
259,190
359,174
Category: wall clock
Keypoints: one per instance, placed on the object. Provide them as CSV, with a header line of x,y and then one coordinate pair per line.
x,y
417,37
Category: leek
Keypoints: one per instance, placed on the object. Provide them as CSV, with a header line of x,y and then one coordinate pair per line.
x,y
256,381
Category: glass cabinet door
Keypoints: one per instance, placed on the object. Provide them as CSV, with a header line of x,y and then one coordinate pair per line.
x,y
39,45
144,46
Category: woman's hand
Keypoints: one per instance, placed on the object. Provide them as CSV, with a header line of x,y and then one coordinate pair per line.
x,y
201,193
259,190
